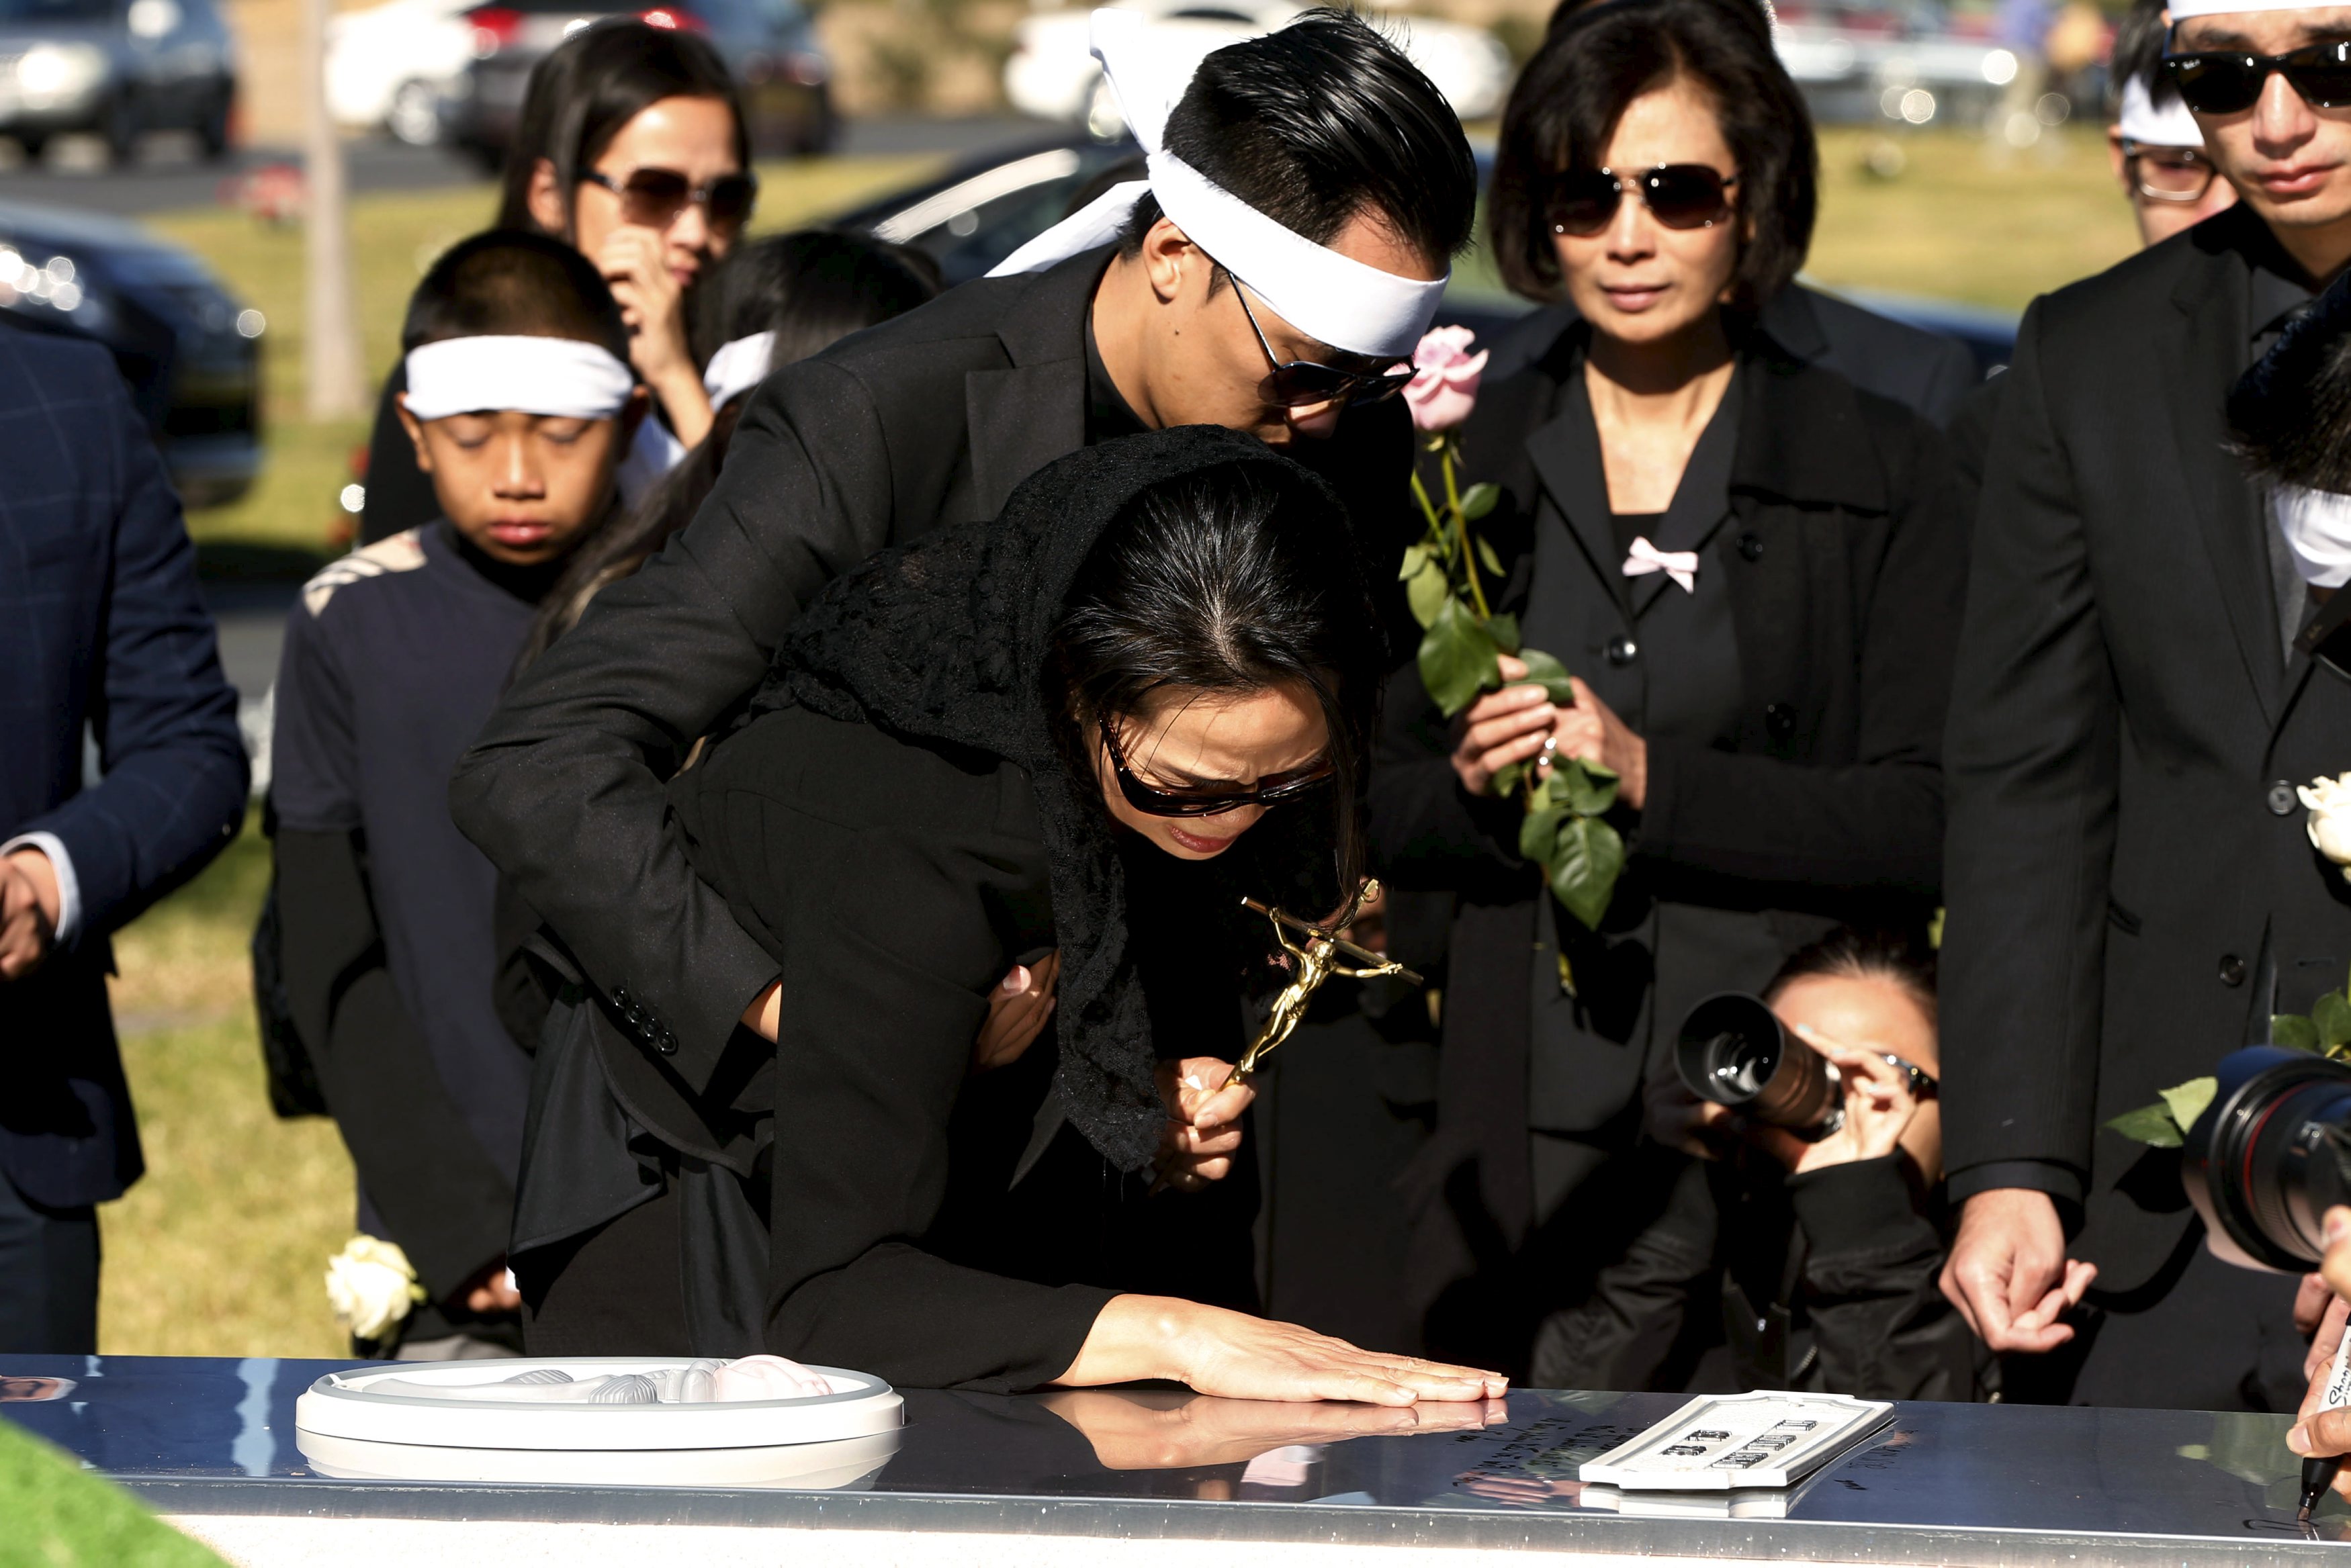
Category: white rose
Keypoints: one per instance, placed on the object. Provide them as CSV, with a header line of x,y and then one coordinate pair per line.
x,y
371,1286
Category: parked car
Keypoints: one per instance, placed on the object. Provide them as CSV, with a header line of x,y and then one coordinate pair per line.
x,y
1052,73
189,349
116,69
1864,64
389,68
770,45
983,210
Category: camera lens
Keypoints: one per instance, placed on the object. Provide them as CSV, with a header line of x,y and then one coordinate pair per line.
x,y
2268,1159
1733,1052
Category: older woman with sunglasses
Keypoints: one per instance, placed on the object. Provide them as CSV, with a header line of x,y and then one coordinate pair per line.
x,y
1083,729
1752,569
631,148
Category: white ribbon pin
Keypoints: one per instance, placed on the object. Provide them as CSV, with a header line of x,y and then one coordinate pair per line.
x,y
1645,559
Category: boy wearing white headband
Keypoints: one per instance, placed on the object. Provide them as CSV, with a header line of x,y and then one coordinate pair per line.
x,y
2130,890
1308,189
520,401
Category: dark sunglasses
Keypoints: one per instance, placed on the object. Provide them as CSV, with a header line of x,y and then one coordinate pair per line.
x,y
2226,81
1153,801
2167,173
653,198
1301,383
1582,202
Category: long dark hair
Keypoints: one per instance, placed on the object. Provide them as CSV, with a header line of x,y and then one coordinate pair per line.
x,y
1232,580
584,92
811,288
1595,62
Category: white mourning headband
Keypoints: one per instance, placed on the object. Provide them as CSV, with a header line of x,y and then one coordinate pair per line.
x,y
2316,527
2182,9
2141,121
560,376
1332,298
739,367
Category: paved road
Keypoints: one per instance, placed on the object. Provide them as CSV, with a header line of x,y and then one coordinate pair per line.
x,y
168,175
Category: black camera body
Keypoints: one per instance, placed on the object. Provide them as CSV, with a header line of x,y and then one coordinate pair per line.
x,y
2270,1155
1734,1052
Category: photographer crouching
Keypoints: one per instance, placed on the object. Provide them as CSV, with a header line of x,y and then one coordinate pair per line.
x,y
1817,1224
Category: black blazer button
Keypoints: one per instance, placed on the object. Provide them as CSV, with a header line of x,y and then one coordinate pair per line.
x,y
2282,799
1622,650
1780,720
1750,546
2232,970
667,1044
621,997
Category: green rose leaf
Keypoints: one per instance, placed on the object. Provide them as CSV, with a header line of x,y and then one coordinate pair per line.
x,y
2333,1018
1425,587
2294,1031
2149,1125
1508,780
2188,1100
1505,631
1540,833
1549,674
1480,499
1588,792
1456,658
1488,559
1584,864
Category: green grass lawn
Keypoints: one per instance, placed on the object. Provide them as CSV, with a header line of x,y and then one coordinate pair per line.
x,y
220,1251
53,1515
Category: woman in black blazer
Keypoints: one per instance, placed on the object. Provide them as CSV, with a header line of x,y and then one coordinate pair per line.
x,y
1755,571
1085,729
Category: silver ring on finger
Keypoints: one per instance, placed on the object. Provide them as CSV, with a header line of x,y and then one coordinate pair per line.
x,y
1549,752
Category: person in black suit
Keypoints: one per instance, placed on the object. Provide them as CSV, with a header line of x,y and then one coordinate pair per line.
x,y
2131,891
1754,569
100,625
1086,727
932,419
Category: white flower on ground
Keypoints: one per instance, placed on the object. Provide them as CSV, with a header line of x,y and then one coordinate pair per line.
x,y
371,1286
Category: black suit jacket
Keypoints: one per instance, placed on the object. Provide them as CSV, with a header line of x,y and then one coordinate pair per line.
x,y
928,420
1845,552
1924,371
2125,847
101,624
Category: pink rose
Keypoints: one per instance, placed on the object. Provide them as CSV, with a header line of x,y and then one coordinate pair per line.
x,y
1444,387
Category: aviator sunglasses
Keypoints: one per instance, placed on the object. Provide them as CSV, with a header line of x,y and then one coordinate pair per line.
x,y
653,198
1153,801
2228,81
1582,202
1302,383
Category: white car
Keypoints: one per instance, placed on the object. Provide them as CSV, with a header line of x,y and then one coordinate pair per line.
x,y
1052,73
389,66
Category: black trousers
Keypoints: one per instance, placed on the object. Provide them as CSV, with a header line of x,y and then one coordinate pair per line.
x,y
48,1277
2202,1335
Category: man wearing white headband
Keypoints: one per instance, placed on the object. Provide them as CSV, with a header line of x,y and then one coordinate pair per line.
x,y
1330,186
2130,890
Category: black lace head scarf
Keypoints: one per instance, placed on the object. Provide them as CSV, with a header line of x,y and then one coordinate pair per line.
x,y
949,640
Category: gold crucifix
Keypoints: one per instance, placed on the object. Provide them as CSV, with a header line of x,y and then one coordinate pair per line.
x,y
1316,960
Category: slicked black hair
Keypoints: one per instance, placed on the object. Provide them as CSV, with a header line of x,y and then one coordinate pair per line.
x,y
2290,415
501,284
1232,580
1318,122
1593,64
2140,39
1861,953
587,89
